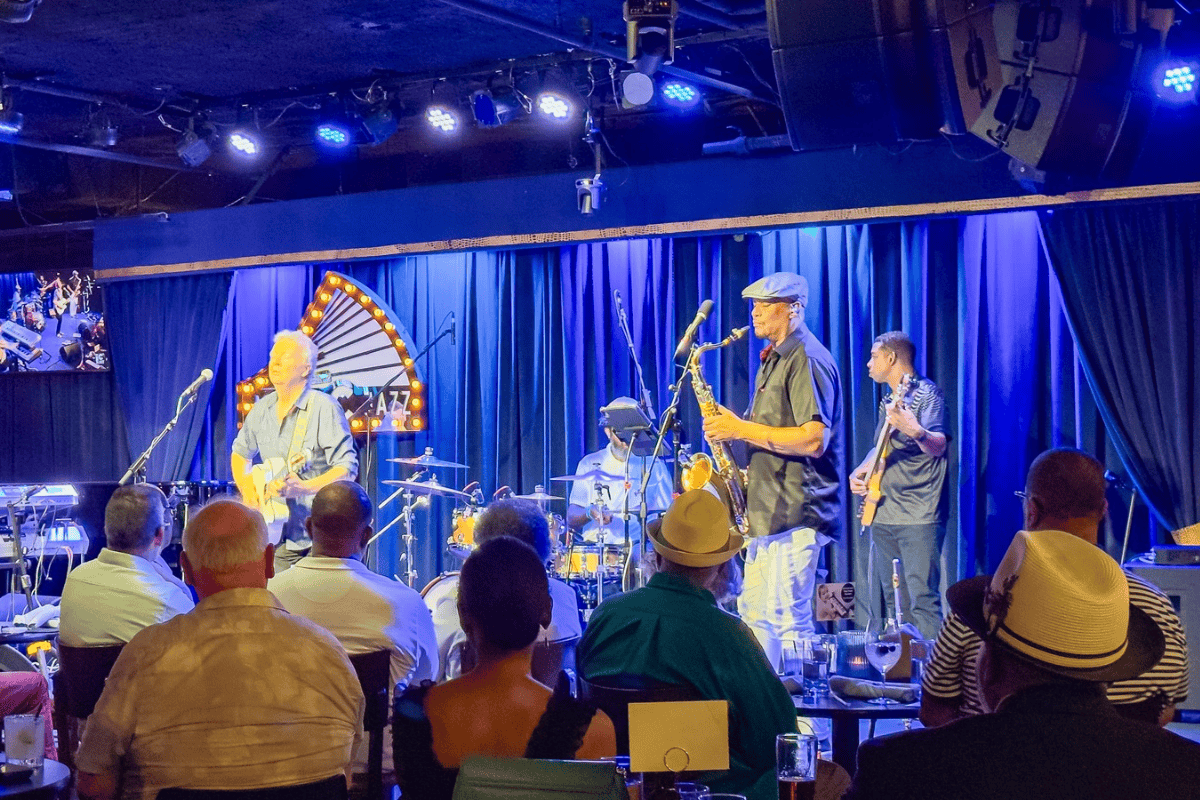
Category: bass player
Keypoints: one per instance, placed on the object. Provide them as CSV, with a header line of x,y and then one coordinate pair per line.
x,y
302,441
793,481
910,520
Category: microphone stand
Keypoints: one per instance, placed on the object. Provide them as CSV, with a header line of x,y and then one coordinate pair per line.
x,y
19,545
648,407
668,420
138,467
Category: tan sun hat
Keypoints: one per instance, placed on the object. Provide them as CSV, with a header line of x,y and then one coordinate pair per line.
x,y
1062,604
695,531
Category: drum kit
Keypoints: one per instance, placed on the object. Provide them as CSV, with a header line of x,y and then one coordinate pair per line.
x,y
593,568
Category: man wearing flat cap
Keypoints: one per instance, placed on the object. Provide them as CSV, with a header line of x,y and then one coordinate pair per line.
x,y
671,632
794,476
1057,626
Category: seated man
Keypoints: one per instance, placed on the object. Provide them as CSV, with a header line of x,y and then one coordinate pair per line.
x,y
1064,491
522,520
235,694
671,631
1057,624
364,610
128,585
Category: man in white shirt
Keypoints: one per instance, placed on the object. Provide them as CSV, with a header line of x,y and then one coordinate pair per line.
x,y
128,586
522,520
235,694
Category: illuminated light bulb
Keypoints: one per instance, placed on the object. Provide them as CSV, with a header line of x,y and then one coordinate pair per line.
x,y
307,329
395,423
317,313
365,300
326,296
408,362
416,404
387,326
351,288
416,423
416,386
260,380
379,312
334,280
356,423
374,423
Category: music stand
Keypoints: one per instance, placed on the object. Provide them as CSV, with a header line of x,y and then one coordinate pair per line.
x,y
629,424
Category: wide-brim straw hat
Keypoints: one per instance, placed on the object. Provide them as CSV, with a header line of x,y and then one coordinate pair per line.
x,y
1062,604
695,531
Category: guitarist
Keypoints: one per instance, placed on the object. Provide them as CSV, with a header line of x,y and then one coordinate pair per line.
x,y
297,427
910,520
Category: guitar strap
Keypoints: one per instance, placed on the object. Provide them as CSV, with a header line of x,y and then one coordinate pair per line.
x,y
298,433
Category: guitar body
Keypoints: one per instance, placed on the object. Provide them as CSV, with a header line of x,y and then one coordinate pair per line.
x,y
883,448
275,509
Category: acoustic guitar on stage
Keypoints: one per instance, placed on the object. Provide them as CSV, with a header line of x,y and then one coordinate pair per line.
x,y
883,448
275,509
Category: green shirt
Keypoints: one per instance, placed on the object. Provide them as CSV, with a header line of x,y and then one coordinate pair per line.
x,y
673,632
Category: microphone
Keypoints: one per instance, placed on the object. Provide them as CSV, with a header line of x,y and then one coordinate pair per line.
x,y
620,305
690,334
453,325
204,377
1115,481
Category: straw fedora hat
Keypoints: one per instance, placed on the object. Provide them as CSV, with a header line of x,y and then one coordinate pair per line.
x,y
1062,604
695,531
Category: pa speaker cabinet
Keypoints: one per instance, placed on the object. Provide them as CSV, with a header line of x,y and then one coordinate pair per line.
x,y
1181,585
866,71
1089,120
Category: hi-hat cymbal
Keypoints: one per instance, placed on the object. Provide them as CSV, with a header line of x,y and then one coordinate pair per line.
x,y
431,487
591,475
538,497
427,460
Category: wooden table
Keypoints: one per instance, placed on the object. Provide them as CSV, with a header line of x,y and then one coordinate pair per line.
x,y
46,781
845,716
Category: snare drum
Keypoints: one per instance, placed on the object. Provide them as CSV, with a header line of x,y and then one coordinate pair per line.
x,y
583,560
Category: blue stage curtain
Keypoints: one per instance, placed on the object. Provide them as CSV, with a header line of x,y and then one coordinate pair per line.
x,y
163,332
539,350
1129,276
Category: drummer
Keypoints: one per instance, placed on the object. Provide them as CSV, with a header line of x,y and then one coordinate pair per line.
x,y
601,506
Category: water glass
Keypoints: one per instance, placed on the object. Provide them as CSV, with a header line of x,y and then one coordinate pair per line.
x,y
25,739
692,791
796,766
922,654
789,658
816,654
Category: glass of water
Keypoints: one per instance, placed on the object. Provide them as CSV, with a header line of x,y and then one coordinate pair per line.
x,y
816,653
25,739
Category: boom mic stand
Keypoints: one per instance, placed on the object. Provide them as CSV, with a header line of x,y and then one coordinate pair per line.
x,y
138,467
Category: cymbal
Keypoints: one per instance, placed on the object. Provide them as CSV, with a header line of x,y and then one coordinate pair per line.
x,y
591,475
427,460
538,497
429,487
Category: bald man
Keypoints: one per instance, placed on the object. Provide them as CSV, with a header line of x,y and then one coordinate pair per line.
x,y
364,610
235,694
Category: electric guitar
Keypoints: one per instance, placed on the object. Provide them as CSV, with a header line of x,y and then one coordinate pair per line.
x,y
883,447
275,509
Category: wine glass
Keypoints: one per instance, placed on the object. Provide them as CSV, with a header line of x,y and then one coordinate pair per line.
x,y
883,648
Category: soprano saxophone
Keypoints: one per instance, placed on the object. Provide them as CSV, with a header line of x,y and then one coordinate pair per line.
x,y
718,469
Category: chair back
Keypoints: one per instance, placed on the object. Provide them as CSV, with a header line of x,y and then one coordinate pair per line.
x,y
375,677
333,788
77,686
550,658
488,778
613,694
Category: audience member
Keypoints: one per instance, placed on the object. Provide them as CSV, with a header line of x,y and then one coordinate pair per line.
x,y
128,585
1057,624
496,709
672,632
1064,491
27,693
520,519
364,610
235,694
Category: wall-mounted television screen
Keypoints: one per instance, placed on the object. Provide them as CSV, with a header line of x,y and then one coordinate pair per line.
x,y
53,322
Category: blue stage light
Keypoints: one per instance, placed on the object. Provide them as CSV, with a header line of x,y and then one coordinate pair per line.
x,y
245,144
680,94
441,118
1175,81
333,134
554,105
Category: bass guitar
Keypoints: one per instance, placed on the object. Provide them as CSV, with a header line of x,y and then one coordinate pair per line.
x,y
883,447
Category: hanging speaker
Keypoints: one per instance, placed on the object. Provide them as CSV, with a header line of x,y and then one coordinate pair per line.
x,y
865,71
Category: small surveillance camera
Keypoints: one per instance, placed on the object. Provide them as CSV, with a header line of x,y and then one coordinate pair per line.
x,y
588,194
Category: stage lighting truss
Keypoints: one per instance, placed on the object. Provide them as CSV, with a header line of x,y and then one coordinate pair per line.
x,y
364,355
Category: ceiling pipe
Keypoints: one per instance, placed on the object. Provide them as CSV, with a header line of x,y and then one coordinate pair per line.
x,y
90,152
735,9
608,51
67,93
705,13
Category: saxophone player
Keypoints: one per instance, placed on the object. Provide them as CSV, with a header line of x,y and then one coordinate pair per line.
x,y
794,478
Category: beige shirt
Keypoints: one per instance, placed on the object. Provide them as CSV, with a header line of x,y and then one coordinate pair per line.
x,y
109,599
236,694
